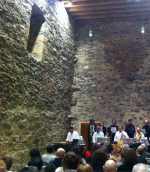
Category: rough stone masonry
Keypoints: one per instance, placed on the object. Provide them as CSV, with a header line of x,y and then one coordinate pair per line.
x,y
35,85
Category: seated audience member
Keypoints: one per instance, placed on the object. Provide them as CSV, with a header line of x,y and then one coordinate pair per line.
x,y
130,159
70,162
98,133
123,151
72,135
145,153
80,152
8,162
29,169
59,157
116,156
49,156
50,168
110,149
36,162
120,134
35,153
141,168
99,158
139,153
110,166
84,168
3,167
139,135
95,146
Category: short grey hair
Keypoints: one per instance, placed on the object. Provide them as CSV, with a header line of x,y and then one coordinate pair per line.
x,y
141,168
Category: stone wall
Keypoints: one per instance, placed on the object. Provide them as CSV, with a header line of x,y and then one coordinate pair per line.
x,y
112,73
35,92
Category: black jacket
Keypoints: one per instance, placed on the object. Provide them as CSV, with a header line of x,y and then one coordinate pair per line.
x,y
130,130
147,129
89,129
104,131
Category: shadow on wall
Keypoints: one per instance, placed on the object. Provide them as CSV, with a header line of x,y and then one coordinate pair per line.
x,y
37,19
126,54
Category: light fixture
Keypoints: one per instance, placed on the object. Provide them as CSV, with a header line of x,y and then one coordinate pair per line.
x,y
69,3
142,29
90,33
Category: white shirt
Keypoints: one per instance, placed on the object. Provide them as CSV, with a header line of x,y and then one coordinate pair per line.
x,y
142,137
118,135
96,134
48,157
72,136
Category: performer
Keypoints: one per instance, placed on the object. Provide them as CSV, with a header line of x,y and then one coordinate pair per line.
x,y
130,129
72,135
112,133
147,129
91,131
139,135
98,133
103,129
120,134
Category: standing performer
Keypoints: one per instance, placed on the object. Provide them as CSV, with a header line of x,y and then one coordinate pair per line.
x,y
130,129
147,129
113,130
103,129
91,131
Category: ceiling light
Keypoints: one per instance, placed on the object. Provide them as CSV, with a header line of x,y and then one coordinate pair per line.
x,y
142,29
90,33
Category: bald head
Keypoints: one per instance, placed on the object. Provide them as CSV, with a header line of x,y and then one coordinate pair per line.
x,y
110,166
140,150
60,153
143,145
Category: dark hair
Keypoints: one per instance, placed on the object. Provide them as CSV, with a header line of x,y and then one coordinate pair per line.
x,y
29,169
71,128
129,120
50,168
92,120
130,157
95,146
8,162
102,122
50,148
37,162
99,157
35,153
24,169
104,147
114,120
123,151
80,152
110,148
70,161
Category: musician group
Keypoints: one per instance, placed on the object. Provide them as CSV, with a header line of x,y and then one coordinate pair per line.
x,y
117,133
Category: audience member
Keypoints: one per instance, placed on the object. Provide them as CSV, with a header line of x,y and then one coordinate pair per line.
x,y
110,149
116,156
59,157
139,153
84,168
145,153
50,168
95,146
140,168
3,167
49,156
130,159
29,169
80,152
8,162
99,158
70,162
110,166
37,162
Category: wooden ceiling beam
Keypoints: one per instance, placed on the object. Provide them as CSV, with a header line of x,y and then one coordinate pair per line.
x,y
102,7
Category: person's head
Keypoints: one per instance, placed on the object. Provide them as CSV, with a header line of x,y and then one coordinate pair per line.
x,y
60,153
125,146
79,151
50,149
123,151
114,122
143,145
99,157
101,123
110,148
29,169
130,121
71,129
138,130
37,162
139,150
117,151
105,147
50,168
35,153
70,161
120,128
8,162
92,122
140,167
95,146
110,166
84,167
130,157
98,129
146,122
3,167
